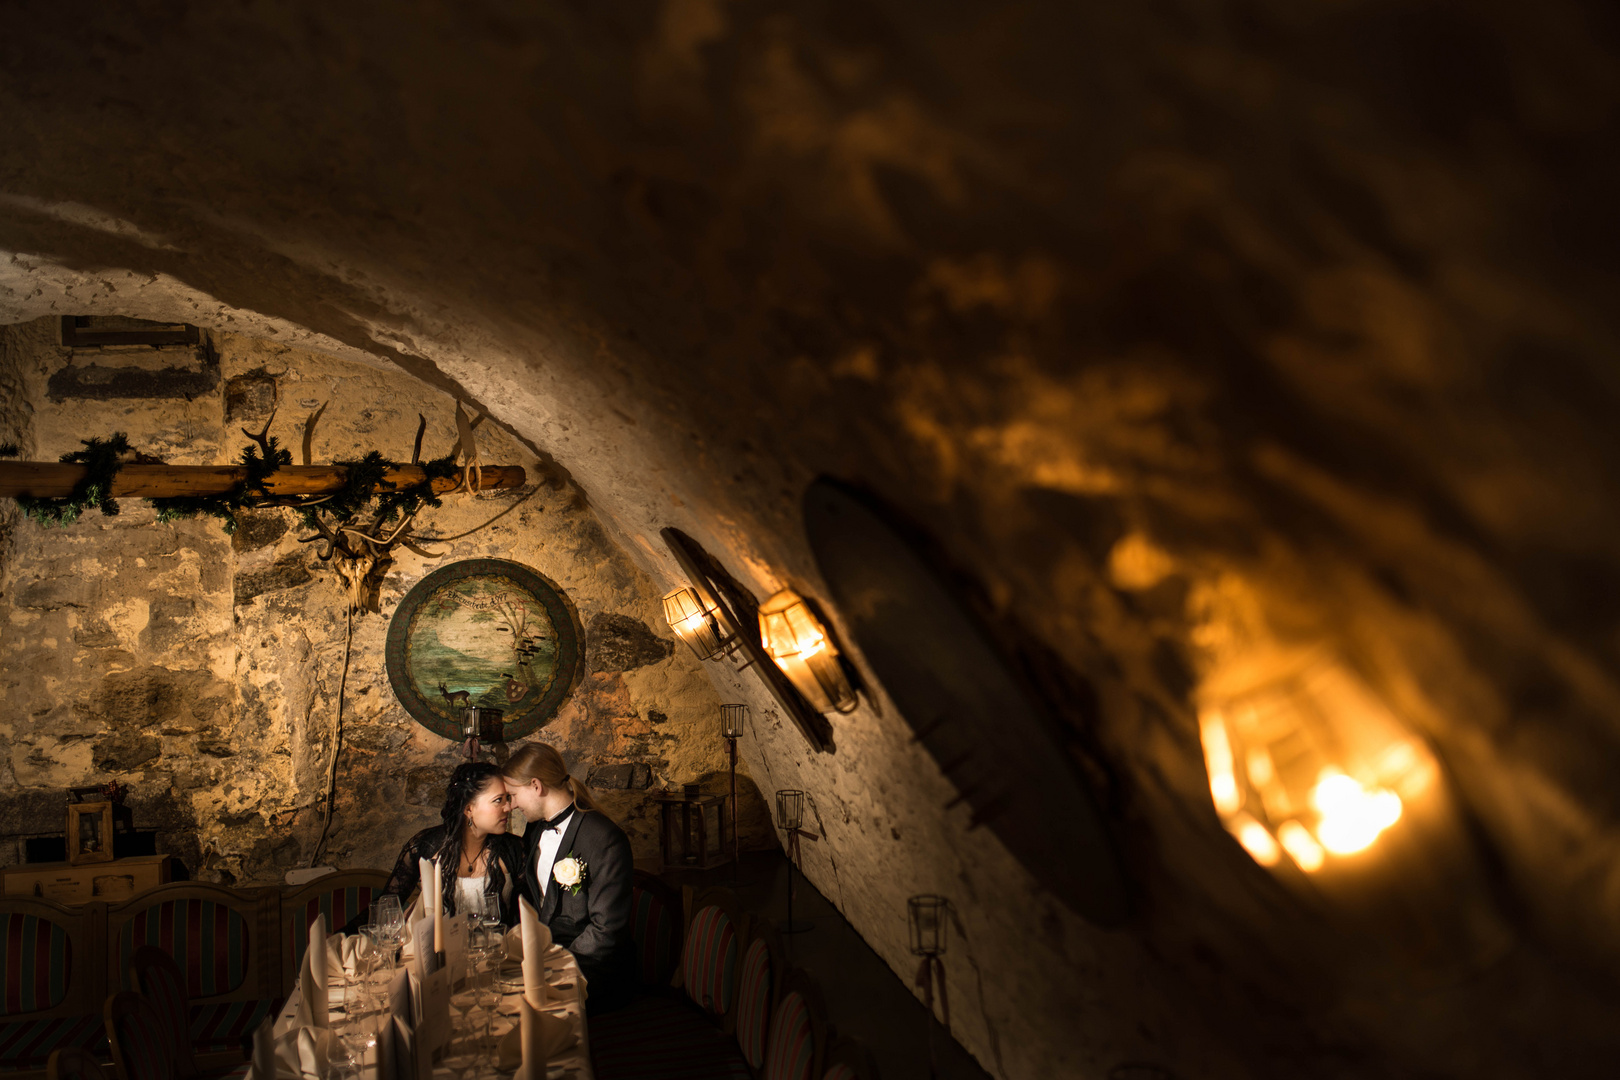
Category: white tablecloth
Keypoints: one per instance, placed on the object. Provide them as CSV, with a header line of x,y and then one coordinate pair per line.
x,y
572,1064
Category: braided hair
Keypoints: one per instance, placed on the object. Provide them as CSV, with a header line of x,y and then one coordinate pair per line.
x,y
466,784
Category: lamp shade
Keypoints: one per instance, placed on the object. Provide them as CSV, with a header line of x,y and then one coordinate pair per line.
x,y
1307,763
789,809
927,917
695,624
799,643
732,719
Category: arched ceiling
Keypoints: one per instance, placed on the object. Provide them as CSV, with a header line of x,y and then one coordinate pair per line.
x,y
1180,326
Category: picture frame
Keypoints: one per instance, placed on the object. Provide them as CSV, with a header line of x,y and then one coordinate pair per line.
x,y
89,832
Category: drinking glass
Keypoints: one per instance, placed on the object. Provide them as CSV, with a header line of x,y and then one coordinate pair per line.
x,y
388,919
357,1038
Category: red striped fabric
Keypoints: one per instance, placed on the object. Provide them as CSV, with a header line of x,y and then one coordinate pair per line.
x,y
27,1044
792,1040
36,959
340,906
754,1003
710,961
653,929
208,941
227,1025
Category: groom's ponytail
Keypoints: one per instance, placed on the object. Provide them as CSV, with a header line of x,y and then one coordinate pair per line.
x,y
540,761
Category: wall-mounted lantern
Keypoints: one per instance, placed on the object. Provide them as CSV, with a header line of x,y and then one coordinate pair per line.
x,y
799,643
697,624
1305,761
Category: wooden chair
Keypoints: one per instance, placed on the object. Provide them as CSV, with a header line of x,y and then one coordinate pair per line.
x,y
710,953
850,1060
139,1046
763,967
341,897
223,942
72,1063
798,1031
159,979
656,926
52,982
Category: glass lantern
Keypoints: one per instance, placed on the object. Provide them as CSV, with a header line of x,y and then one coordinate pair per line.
x,y
802,648
927,925
695,624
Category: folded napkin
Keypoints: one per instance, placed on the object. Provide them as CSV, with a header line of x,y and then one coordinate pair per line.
x,y
312,999
536,940
535,1040
514,942
264,1051
303,1053
345,953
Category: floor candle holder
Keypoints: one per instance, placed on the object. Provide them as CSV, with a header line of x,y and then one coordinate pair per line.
x,y
790,819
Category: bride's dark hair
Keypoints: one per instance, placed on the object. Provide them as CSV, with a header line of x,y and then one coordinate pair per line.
x,y
466,784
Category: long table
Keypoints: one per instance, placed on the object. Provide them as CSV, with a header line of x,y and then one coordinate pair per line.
x,y
572,1064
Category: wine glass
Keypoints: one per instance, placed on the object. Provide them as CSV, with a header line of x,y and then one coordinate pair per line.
x,y
388,919
357,1038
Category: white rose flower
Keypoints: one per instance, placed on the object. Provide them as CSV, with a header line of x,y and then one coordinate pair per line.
x,y
568,872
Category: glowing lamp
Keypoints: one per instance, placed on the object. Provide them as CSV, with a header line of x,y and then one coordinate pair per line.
x,y
1305,761
695,624
799,643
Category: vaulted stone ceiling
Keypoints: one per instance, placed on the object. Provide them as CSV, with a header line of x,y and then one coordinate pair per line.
x,y
1180,326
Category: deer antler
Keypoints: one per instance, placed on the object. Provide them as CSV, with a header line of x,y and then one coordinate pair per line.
x,y
323,532
309,428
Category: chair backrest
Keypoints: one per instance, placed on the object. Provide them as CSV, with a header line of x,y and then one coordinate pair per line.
x,y
74,1063
159,979
655,924
762,970
340,897
849,1060
223,940
798,1031
139,1047
50,958
709,959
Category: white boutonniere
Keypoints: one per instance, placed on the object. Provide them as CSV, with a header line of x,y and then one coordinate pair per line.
x,y
569,873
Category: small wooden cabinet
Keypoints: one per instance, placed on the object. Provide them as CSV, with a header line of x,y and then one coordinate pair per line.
x,y
65,883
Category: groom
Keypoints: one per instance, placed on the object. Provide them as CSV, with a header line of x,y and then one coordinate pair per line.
x,y
580,866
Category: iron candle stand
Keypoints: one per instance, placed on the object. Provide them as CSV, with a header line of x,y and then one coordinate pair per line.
x,y
790,817
732,719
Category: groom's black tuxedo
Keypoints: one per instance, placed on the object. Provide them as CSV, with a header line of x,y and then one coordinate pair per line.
x,y
593,924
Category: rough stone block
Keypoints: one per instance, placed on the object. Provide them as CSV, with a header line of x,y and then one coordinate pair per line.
x,y
249,395
620,643
285,573
125,752
629,776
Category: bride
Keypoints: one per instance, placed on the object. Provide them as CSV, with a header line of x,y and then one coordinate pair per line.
x,y
477,856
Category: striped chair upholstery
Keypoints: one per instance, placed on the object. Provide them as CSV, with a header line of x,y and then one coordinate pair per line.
x,y
36,958
208,940
155,974
50,984
709,964
72,1063
340,905
754,1003
138,1042
655,926
792,1042
26,1045
226,1027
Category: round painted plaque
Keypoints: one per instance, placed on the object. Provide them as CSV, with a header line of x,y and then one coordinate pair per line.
x,y
484,632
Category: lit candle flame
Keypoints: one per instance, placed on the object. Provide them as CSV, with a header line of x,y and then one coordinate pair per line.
x,y
1352,816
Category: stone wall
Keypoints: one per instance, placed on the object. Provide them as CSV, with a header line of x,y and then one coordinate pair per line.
x,y
202,669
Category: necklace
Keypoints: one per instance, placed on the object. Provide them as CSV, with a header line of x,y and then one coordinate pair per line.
x,y
469,866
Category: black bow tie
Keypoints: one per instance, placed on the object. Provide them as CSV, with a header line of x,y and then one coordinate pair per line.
x,y
556,821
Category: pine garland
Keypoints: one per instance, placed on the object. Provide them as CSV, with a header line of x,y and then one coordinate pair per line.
x,y
102,461
226,505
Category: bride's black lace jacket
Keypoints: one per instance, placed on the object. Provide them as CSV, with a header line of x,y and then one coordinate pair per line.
x,y
507,866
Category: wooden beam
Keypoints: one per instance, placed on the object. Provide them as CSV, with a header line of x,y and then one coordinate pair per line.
x,y
51,480
815,728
